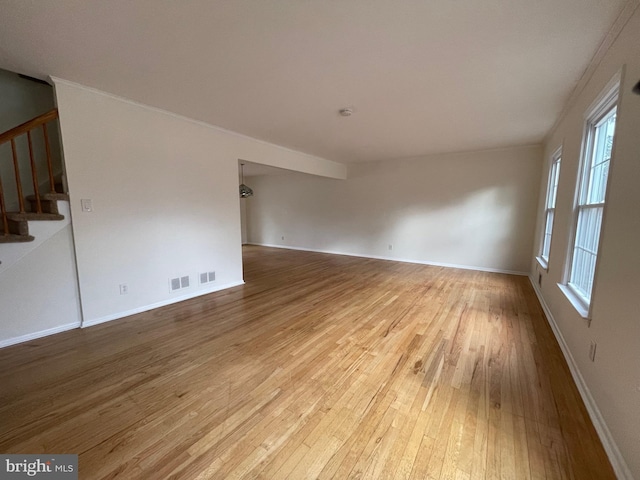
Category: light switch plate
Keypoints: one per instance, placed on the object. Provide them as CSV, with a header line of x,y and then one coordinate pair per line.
x,y
87,205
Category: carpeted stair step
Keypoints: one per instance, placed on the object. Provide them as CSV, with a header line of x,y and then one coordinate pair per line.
x,y
11,238
48,202
18,222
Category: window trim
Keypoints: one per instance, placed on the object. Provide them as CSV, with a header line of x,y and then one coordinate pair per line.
x,y
553,181
607,100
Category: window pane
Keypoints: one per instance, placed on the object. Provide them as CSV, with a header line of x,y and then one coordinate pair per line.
x,y
553,192
595,164
546,242
609,127
598,183
599,169
586,250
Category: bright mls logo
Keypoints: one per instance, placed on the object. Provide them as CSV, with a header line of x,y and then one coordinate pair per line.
x,y
52,467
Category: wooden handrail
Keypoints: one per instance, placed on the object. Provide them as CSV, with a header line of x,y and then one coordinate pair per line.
x,y
29,125
10,137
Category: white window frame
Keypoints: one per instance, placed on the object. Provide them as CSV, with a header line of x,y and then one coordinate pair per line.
x,y
550,208
605,104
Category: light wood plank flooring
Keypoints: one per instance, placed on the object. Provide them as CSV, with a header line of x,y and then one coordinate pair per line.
x,y
321,367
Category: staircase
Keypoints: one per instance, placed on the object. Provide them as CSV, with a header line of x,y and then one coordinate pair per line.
x,y
38,282
27,182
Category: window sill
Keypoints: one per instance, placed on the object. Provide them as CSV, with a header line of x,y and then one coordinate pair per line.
x,y
543,263
575,300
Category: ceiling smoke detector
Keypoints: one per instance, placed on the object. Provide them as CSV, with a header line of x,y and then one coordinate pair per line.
x,y
346,112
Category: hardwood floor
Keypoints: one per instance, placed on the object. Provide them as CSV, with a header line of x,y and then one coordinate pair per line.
x,y
319,367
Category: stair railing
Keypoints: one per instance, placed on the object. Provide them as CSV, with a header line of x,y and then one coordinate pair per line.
x,y
10,136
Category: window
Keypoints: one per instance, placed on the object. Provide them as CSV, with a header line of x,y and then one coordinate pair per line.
x,y
550,207
598,145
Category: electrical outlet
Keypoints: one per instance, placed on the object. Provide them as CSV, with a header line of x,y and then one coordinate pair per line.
x,y
124,289
390,247
592,351
87,205
282,237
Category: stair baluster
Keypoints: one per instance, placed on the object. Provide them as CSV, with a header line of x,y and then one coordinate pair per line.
x,y
43,206
16,168
34,174
47,147
3,212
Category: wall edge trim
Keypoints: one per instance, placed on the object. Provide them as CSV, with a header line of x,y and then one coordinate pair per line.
x,y
153,306
338,165
396,259
39,334
625,14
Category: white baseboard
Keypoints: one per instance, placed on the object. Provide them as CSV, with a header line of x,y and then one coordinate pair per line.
x,y
70,326
35,335
395,259
145,308
615,457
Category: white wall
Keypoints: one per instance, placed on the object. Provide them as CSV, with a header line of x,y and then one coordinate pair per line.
x,y
165,199
21,100
38,289
470,209
613,380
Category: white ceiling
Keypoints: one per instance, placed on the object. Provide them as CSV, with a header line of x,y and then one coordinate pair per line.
x,y
423,76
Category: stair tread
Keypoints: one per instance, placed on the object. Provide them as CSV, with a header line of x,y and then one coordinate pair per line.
x,y
16,216
11,238
50,196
